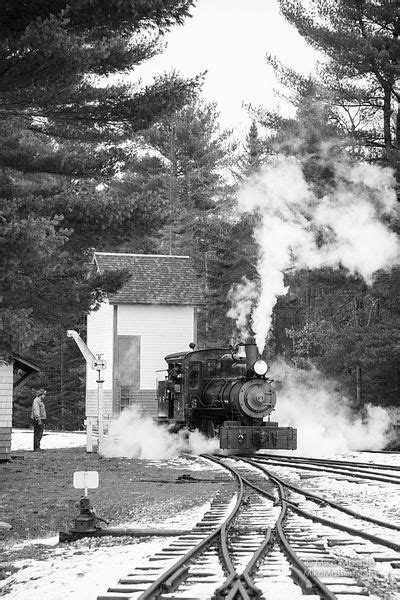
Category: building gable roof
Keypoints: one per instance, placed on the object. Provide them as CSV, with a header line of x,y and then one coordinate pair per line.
x,y
155,278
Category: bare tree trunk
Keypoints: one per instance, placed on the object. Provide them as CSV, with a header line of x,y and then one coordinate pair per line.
x,y
62,406
173,177
397,152
387,113
358,386
309,294
358,304
207,324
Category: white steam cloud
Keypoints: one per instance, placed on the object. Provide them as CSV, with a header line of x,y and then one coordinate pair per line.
x,y
135,436
301,230
323,416
242,298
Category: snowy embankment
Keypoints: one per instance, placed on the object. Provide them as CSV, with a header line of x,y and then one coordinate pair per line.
x,y
22,439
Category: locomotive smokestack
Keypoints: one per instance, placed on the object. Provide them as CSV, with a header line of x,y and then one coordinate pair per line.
x,y
251,355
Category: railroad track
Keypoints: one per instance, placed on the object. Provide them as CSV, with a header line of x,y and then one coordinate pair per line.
x,y
328,461
264,541
348,469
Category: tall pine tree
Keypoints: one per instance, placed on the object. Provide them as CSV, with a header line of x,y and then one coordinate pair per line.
x,y
65,132
360,40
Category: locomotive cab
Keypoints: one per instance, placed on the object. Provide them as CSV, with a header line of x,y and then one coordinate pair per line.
x,y
169,391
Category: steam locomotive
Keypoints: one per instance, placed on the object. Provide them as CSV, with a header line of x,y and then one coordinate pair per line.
x,y
223,392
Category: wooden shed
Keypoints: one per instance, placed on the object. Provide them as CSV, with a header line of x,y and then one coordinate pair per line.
x,y
154,314
14,372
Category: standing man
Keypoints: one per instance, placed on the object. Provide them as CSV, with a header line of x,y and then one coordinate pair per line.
x,y
38,416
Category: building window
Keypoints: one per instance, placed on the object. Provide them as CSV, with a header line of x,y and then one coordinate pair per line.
x,y
194,375
125,396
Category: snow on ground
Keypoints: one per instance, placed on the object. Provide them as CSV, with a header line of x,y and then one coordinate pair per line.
x,y
74,573
372,498
84,569
188,461
22,439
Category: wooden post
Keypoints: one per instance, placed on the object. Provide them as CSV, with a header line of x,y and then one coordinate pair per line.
x,y
89,435
100,420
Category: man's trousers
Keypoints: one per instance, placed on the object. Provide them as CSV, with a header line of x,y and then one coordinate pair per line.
x,y
37,434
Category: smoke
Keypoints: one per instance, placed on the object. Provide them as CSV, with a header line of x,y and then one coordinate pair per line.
x,y
299,229
325,421
135,436
242,297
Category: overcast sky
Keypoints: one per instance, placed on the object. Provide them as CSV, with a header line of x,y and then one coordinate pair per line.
x,y
229,39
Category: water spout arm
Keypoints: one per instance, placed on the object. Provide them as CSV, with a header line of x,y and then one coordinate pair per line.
x,y
87,354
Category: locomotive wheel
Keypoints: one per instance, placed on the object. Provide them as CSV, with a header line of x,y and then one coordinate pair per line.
x,y
207,428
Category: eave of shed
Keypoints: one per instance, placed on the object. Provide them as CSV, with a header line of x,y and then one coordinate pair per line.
x,y
27,367
154,279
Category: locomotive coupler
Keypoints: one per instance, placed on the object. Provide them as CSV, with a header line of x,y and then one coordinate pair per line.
x,y
241,438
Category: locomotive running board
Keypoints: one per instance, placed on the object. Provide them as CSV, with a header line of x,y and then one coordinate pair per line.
x,y
242,437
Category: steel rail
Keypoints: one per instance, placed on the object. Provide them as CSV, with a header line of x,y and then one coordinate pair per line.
x,y
306,579
306,575
325,465
295,558
234,584
381,451
368,536
224,545
321,469
323,500
327,522
259,553
158,586
375,539
330,461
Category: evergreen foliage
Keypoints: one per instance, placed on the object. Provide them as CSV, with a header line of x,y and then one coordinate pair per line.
x,y
72,179
252,157
194,151
233,257
360,40
232,253
349,330
66,130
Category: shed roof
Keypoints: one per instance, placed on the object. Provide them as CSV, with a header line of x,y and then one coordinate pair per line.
x,y
155,278
27,367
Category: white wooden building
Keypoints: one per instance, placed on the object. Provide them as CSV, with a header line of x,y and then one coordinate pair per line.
x,y
14,372
152,315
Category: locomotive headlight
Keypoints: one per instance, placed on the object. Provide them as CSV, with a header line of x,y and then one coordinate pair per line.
x,y
260,367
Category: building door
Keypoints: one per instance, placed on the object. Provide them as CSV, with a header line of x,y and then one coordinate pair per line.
x,y
127,370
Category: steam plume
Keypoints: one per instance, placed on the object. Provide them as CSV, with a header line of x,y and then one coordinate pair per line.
x,y
242,297
135,436
323,415
301,230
